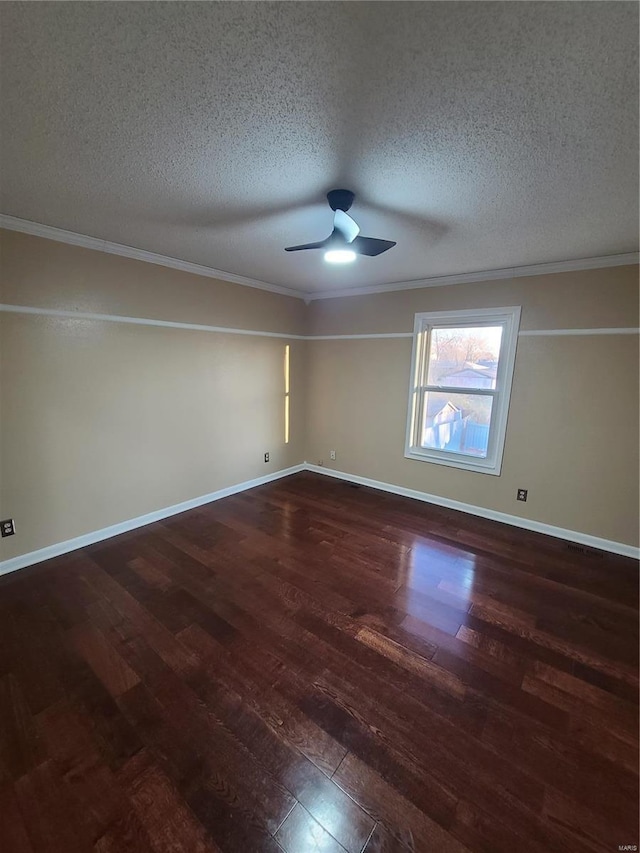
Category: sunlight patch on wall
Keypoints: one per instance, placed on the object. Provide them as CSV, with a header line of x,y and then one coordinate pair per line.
x,y
287,393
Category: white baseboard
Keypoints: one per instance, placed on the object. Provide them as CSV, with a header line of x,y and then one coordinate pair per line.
x,y
493,515
24,560
56,550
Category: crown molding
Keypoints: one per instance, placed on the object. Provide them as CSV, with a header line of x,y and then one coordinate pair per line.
x,y
25,226
484,275
49,232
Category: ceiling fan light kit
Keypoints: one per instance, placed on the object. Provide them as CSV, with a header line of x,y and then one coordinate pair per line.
x,y
339,256
345,243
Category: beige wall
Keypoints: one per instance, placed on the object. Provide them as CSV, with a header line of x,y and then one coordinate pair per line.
x,y
43,273
572,435
102,421
582,300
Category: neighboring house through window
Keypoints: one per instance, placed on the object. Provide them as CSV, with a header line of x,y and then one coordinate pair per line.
x,y
461,376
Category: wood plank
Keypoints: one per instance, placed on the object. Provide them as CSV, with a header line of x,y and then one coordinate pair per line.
x,y
400,818
107,664
412,661
169,823
54,819
79,761
13,833
21,749
313,663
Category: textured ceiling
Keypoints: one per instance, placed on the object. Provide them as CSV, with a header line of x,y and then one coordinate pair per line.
x,y
477,135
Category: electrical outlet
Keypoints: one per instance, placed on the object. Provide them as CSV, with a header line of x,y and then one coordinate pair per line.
x,y
7,527
522,494
332,454
266,457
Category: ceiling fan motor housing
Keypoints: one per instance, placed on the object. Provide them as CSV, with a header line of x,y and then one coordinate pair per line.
x,y
346,233
340,199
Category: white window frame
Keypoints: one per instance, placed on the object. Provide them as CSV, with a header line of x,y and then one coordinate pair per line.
x,y
509,319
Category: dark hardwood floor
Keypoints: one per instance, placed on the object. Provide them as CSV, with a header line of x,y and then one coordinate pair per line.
x,y
313,666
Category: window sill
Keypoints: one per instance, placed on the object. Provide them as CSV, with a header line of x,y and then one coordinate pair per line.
x,y
478,466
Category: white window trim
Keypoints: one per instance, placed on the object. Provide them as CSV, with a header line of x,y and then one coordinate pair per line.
x,y
510,319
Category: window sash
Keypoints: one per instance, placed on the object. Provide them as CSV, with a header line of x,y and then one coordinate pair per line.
x,y
418,447
423,388
508,319
460,389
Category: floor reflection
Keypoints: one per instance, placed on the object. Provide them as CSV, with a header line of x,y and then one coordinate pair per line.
x,y
301,833
286,517
438,586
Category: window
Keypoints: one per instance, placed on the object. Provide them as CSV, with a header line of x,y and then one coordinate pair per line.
x,y
460,383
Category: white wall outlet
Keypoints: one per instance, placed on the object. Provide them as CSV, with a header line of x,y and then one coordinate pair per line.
x,y
332,454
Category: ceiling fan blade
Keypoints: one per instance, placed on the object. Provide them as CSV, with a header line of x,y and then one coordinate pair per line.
x,y
343,223
371,246
307,246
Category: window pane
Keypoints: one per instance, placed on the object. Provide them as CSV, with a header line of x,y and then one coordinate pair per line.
x,y
464,358
457,423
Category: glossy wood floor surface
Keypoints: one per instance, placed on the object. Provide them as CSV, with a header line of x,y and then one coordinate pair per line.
x,y
313,666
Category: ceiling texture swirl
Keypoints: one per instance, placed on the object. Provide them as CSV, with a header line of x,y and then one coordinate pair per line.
x,y
476,135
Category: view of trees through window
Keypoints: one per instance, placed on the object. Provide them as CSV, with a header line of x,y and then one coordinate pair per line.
x,y
465,358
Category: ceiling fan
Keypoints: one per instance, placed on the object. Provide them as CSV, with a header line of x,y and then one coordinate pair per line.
x,y
345,243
